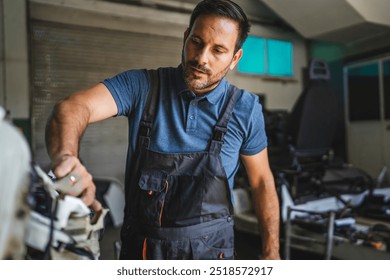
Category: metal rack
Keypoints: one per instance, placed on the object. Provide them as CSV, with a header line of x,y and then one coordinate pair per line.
x,y
327,241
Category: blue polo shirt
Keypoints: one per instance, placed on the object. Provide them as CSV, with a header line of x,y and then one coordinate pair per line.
x,y
184,122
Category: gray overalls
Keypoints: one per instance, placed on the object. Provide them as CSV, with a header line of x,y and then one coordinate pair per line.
x,y
178,206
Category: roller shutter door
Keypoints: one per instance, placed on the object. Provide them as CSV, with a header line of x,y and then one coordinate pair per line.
x,y
66,58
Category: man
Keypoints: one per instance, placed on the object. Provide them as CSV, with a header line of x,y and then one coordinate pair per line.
x,y
188,127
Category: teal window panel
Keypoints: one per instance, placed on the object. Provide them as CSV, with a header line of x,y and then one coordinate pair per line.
x,y
279,58
252,60
369,70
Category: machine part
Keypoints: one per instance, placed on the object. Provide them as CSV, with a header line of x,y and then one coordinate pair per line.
x,y
15,179
39,220
327,241
69,231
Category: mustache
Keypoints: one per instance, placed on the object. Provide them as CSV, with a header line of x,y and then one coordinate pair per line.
x,y
199,67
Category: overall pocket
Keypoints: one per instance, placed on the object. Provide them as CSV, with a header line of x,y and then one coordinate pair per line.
x,y
153,187
217,245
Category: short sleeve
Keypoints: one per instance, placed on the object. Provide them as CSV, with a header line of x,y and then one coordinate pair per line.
x,y
128,88
255,139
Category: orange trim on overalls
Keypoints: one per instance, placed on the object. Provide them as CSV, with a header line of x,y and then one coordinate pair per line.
x,y
144,250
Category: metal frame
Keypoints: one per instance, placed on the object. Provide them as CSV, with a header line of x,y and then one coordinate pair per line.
x,y
328,242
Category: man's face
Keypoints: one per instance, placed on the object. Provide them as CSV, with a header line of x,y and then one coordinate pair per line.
x,y
208,52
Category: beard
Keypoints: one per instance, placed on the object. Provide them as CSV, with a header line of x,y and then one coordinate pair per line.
x,y
201,82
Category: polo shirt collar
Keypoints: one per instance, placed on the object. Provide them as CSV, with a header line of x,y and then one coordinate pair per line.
x,y
213,96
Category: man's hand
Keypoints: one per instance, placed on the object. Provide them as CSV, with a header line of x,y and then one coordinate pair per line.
x,y
70,168
64,130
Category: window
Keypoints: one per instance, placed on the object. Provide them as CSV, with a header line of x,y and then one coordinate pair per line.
x,y
253,59
267,57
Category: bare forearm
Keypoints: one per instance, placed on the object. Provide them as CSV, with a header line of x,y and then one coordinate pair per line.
x,y
65,128
71,117
266,202
267,211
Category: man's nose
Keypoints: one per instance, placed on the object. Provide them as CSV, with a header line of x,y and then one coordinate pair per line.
x,y
202,56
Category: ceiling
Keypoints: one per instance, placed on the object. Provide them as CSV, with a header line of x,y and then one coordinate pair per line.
x,y
343,21
348,22
255,9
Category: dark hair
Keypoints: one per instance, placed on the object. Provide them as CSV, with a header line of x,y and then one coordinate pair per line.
x,y
224,8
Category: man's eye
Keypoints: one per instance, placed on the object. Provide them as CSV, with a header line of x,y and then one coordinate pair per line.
x,y
196,41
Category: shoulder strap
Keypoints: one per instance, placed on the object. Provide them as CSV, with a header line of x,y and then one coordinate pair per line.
x,y
149,112
220,128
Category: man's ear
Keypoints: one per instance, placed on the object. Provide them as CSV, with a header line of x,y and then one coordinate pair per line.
x,y
236,58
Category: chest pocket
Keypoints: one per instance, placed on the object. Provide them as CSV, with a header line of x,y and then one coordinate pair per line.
x,y
153,186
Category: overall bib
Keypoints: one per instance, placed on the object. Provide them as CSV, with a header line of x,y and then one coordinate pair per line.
x,y
178,205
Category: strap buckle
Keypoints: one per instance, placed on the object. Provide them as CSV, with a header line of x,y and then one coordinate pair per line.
x,y
219,133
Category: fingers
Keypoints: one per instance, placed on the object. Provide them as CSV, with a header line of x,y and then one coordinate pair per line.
x,y
88,195
96,206
65,164
70,184
76,179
